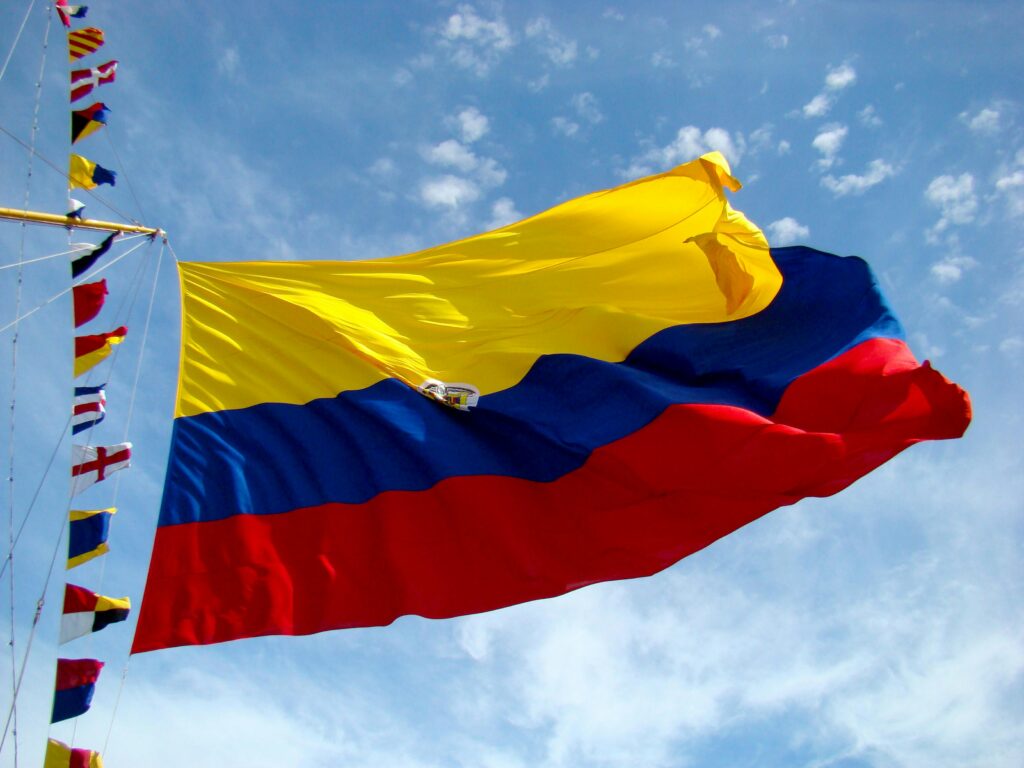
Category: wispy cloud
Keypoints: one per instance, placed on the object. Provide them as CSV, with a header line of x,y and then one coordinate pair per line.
x,y
472,125
955,198
836,79
473,41
586,110
786,231
448,191
854,184
503,211
689,142
951,268
556,47
828,142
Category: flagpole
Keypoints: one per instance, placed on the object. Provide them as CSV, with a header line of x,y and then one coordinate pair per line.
x,y
71,222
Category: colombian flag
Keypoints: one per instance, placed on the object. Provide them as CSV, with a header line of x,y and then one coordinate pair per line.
x,y
589,394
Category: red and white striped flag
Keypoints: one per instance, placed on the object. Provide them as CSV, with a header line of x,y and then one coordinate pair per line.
x,y
91,464
90,408
84,80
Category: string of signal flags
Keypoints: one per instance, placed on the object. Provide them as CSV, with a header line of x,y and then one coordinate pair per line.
x,y
85,611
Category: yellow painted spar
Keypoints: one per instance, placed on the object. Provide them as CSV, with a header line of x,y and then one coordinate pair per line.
x,y
594,276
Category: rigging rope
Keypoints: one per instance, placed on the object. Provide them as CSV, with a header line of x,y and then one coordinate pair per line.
x,y
33,133
56,296
124,438
61,533
17,37
63,174
77,248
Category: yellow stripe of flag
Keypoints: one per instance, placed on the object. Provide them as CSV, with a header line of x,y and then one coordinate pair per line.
x,y
594,276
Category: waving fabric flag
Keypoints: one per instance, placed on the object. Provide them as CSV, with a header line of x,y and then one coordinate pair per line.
x,y
85,174
69,12
93,349
87,121
91,464
82,42
88,300
82,264
60,755
589,394
89,409
76,682
84,80
86,612
89,531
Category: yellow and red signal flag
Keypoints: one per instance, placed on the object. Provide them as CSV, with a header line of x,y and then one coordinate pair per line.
x,y
60,755
82,42
91,350
87,121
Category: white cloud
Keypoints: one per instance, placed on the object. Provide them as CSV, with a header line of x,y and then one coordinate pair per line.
x,y
452,154
869,117
784,147
836,80
787,231
698,44
828,142
951,268
559,49
614,14
662,60
229,63
472,124
474,42
954,197
538,85
565,126
985,122
1012,346
688,144
490,173
818,106
852,184
1011,188
1012,181
761,138
586,107
503,212
383,167
841,77
777,41
448,192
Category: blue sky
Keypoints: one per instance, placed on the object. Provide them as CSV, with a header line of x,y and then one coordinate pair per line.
x,y
880,627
